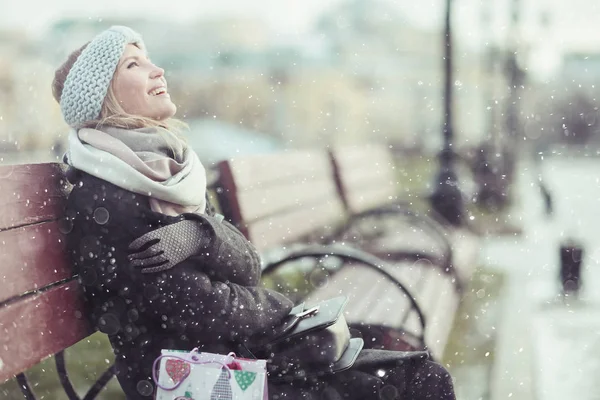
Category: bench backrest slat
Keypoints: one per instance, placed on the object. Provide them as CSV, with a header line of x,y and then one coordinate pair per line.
x,y
280,198
31,193
39,326
33,257
368,180
367,175
296,223
41,305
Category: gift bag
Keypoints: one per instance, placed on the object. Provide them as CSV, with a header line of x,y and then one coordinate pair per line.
x,y
180,375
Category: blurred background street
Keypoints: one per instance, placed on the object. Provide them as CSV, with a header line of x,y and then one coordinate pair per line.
x,y
493,99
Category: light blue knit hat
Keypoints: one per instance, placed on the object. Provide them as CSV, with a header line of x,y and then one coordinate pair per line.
x,y
87,82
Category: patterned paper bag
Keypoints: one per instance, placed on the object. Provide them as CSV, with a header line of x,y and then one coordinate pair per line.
x,y
208,376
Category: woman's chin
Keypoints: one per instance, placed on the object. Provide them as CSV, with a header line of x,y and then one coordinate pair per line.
x,y
167,113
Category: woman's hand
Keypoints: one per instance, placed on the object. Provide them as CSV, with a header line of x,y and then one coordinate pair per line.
x,y
220,249
165,247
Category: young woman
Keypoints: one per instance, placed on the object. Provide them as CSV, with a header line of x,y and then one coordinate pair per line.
x,y
159,269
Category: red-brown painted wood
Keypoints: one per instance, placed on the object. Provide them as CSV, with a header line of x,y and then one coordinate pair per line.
x,y
32,257
31,193
39,326
33,254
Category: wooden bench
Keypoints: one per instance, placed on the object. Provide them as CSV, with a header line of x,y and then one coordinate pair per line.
x,y
367,179
41,304
278,202
281,200
42,311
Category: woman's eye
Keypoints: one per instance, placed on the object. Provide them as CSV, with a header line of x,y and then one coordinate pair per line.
x,y
131,64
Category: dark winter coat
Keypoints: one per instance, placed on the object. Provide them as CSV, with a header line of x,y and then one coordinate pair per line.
x,y
188,306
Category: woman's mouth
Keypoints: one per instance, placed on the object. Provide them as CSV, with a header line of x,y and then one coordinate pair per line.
x,y
159,91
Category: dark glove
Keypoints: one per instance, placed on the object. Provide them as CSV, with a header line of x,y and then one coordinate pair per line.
x,y
215,241
167,246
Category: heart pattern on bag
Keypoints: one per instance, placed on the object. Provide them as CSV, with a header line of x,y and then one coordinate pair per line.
x,y
177,370
244,379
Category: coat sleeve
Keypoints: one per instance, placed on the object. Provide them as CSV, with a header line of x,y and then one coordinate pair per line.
x,y
239,261
226,254
184,298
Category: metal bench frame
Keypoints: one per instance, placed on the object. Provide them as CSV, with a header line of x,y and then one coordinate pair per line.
x,y
63,376
349,254
430,225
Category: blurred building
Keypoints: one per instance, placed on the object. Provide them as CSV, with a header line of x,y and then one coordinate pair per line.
x,y
29,116
403,67
397,65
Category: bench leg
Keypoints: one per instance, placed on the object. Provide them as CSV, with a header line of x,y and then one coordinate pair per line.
x,y
61,369
25,388
66,382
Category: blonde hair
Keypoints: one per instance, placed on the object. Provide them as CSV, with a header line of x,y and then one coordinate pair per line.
x,y
112,114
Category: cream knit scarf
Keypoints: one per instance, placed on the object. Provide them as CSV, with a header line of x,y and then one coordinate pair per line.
x,y
150,161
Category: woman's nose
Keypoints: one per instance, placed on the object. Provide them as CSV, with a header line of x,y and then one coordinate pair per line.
x,y
157,72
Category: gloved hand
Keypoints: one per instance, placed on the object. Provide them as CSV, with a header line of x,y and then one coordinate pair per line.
x,y
167,246
214,241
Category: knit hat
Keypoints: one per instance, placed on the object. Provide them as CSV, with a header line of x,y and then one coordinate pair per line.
x,y
88,80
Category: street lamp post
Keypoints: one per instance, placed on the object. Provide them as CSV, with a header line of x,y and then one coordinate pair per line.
x,y
446,198
488,165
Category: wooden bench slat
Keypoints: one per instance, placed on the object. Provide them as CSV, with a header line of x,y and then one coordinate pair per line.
x,y
407,239
371,174
367,176
255,172
294,225
39,326
385,306
31,193
372,298
361,199
257,204
359,157
279,198
365,168
32,257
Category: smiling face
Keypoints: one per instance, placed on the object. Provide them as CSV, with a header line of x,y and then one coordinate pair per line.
x,y
140,86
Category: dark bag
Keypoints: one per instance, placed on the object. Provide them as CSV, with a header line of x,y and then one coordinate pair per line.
x,y
312,341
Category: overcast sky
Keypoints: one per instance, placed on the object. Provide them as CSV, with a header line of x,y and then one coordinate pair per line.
x,y
284,15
